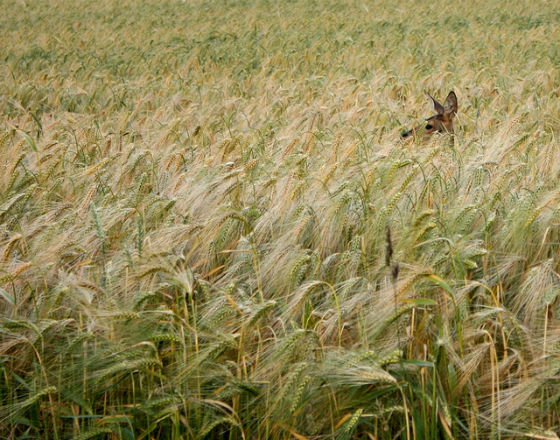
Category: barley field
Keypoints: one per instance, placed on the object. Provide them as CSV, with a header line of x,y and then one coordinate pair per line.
x,y
211,229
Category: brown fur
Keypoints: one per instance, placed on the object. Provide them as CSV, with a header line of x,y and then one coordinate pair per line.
x,y
442,122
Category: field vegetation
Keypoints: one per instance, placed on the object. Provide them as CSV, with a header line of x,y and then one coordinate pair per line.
x,y
210,228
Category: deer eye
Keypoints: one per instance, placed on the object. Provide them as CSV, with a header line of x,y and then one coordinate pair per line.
x,y
429,126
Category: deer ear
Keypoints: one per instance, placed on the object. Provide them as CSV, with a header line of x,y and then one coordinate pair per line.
x,y
450,105
437,106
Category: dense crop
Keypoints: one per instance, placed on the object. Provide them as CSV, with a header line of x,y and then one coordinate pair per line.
x,y
210,228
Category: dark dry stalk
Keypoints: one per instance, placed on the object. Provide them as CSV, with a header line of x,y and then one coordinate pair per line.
x,y
394,275
389,248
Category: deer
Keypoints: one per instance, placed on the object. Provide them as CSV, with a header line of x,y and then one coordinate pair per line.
x,y
442,122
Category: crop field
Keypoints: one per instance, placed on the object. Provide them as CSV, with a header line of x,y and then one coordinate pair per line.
x,y
210,227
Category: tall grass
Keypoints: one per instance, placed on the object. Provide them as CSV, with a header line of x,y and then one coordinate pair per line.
x,y
210,229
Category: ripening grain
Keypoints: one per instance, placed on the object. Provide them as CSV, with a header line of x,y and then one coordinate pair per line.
x,y
210,228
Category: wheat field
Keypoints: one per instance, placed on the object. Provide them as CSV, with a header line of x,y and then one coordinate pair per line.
x,y
210,228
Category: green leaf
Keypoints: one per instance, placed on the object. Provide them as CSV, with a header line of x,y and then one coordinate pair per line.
x,y
7,297
421,302
29,140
